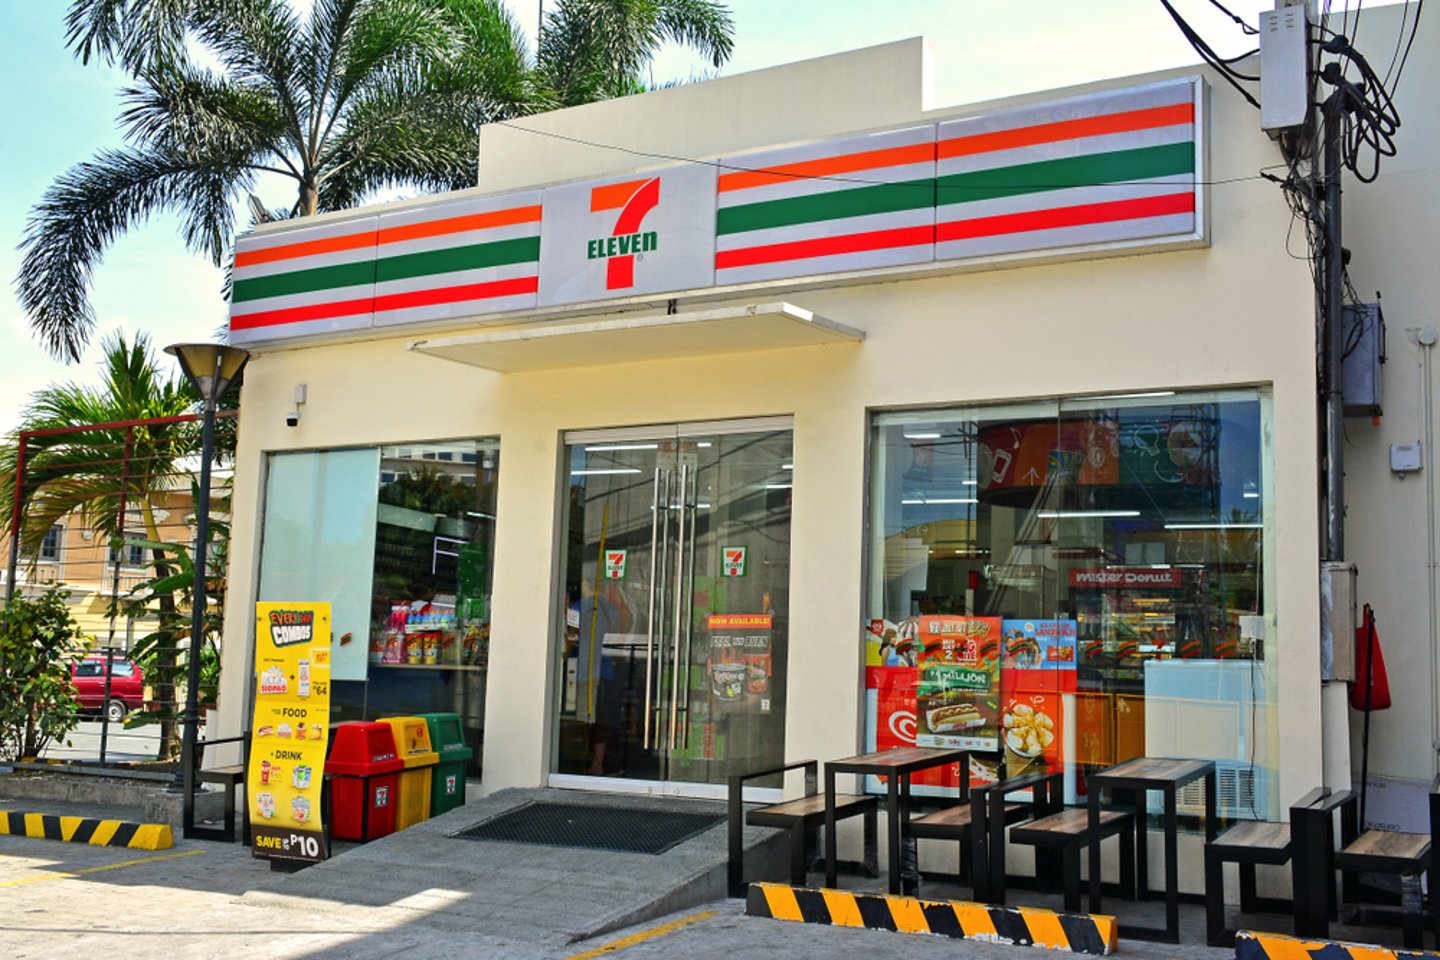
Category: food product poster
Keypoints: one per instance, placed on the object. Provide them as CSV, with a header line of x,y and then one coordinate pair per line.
x,y
957,701
894,725
1039,656
1032,728
289,730
738,661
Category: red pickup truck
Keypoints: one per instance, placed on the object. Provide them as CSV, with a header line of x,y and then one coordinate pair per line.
x,y
127,685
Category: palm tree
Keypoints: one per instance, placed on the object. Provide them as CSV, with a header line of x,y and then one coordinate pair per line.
x,y
353,97
596,49
82,474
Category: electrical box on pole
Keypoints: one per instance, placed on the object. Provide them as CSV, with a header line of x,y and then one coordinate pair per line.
x,y
1363,355
1284,66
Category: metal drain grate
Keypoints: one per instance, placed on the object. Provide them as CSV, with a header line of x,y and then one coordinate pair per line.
x,y
625,829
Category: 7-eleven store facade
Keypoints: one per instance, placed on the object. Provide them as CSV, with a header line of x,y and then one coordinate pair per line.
x,y
779,417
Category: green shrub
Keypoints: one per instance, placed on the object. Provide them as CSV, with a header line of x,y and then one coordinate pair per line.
x,y
37,701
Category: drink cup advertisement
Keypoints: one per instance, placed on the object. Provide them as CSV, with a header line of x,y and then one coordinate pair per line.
x,y
738,661
289,730
957,702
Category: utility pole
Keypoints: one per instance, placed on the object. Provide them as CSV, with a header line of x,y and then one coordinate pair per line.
x,y
1334,273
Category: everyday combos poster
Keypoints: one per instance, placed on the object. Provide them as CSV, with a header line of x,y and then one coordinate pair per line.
x,y
289,730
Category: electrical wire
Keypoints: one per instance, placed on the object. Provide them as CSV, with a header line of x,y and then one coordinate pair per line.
x,y
858,181
1244,27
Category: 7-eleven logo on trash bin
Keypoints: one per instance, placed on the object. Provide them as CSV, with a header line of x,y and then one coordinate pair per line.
x,y
451,782
615,564
382,797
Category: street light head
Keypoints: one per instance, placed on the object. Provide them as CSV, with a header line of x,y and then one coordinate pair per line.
x,y
210,367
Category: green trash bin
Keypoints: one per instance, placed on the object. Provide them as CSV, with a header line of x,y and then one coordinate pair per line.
x,y
447,739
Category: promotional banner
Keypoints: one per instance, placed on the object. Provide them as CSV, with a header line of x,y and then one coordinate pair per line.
x,y
288,730
957,703
738,661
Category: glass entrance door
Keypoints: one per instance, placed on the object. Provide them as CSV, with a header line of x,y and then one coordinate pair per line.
x,y
672,657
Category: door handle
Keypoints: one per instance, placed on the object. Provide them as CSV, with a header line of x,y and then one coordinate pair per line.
x,y
658,503
655,504
691,503
679,609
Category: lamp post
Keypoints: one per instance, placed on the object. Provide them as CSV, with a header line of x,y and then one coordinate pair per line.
x,y
211,368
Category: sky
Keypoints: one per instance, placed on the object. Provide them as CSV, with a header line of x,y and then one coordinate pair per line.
x,y
58,113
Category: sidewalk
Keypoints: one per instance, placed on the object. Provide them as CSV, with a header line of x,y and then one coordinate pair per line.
x,y
426,896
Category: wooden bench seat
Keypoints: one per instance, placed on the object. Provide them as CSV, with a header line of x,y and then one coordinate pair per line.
x,y
802,816
808,811
1068,832
1383,851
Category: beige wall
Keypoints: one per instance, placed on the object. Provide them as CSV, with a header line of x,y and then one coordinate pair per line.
x,y
1390,227
1237,312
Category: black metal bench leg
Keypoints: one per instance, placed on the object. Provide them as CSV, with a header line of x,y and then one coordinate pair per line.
x,y
1247,887
872,845
1215,900
1434,871
1129,885
965,878
797,854
230,812
1412,908
1070,876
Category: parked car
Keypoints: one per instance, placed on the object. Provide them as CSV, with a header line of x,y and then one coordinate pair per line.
x,y
127,685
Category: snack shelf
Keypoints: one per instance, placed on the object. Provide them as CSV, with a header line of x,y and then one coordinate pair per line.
x,y
430,666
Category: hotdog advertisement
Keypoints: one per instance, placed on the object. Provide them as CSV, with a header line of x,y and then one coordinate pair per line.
x,y
289,730
957,701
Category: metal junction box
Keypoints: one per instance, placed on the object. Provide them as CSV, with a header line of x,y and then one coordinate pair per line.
x,y
1364,353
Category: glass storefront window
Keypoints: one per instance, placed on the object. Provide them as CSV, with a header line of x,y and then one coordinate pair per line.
x,y
399,541
1074,583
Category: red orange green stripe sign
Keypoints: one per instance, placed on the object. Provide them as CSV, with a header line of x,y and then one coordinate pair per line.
x,y
1113,169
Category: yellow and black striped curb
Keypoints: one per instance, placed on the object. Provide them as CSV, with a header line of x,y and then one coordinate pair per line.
x,y
1274,946
1078,933
101,833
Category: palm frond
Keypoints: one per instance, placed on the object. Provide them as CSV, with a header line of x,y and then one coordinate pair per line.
x,y
90,205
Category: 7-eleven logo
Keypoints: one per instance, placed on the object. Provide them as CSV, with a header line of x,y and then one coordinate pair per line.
x,y
634,199
615,564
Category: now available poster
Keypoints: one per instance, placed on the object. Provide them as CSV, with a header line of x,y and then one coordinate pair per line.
x,y
289,731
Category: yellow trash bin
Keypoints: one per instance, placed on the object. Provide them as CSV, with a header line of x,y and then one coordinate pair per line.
x,y
412,741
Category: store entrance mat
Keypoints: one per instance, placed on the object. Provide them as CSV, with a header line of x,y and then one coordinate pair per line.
x,y
623,829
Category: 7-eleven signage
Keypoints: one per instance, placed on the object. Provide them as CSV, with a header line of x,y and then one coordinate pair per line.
x,y
732,561
645,233
615,564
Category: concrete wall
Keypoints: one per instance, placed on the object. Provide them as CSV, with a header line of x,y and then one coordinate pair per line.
x,y
1390,227
1238,312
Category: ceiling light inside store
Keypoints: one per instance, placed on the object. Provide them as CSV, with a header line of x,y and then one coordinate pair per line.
x,y
1214,526
614,447
937,500
1084,514
922,435
787,466
1134,396
603,471
778,486
1251,495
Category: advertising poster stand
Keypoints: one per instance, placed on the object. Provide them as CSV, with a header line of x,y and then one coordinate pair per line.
x,y
289,733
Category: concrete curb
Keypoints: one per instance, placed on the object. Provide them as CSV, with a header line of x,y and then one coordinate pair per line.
x,y
102,833
1078,933
1250,945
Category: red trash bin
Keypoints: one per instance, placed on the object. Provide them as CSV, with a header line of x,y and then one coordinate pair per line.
x,y
364,773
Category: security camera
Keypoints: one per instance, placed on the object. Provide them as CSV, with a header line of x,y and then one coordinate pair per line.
x,y
292,419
